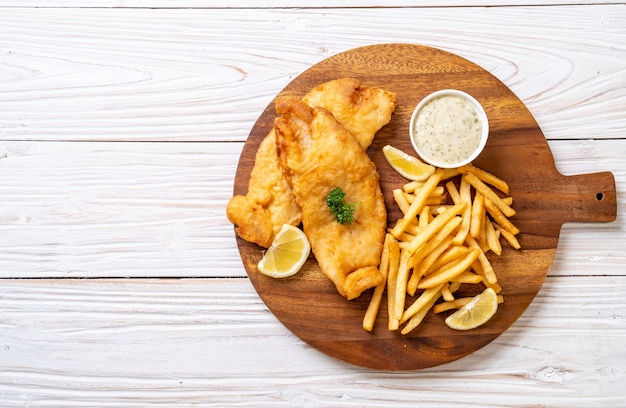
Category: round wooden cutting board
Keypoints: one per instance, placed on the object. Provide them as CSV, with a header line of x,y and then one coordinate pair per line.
x,y
308,303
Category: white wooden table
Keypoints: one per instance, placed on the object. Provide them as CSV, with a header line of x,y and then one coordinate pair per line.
x,y
121,124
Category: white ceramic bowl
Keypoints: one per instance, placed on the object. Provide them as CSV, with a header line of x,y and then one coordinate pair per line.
x,y
457,139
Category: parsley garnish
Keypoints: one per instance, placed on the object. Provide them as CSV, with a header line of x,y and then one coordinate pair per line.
x,y
344,213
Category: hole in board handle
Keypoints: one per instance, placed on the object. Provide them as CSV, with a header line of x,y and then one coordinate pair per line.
x,y
599,196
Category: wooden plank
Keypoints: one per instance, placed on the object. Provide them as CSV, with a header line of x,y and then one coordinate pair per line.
x,y
116,209
158,209
213,342
197,75
301,4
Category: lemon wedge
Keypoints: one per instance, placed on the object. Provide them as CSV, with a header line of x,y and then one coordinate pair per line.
x,y
477,312
288,252
406,165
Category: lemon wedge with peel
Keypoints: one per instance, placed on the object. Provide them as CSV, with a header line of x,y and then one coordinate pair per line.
x,y
477,312
288,252
406,165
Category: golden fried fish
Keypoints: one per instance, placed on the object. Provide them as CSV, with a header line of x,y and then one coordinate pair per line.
x,y
318,155
270,203
361,109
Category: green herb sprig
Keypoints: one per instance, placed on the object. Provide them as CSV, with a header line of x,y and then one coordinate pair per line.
x,y
344,213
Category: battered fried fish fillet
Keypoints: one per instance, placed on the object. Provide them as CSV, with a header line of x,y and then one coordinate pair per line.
x,y
361,109
318,154
270,203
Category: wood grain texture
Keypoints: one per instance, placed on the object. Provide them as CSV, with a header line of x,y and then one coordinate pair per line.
x,y
212,342
116,209
301,4
198,75
516,151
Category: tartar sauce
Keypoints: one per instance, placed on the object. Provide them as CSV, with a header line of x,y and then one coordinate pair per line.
x,y
448,129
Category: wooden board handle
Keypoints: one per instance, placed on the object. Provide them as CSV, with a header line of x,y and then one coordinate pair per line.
x,y
588,197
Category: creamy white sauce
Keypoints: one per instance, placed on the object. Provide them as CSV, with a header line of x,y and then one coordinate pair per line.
x,y
448,129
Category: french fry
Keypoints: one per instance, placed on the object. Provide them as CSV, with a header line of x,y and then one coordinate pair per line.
x,y
492,238
465,198
487,269
500,217
450,254
401,200
418,202
437,192
424,251
411,186
440,268
424,217
454,286
435,242
405,237
451,304
374,305
412,228
510,238
418,317
438,223
424,299
486,177
392,275
408,197
454,192
439,209
482,235
446,293
449,173
495,286
447,273
422,263
477,219
435,200
467,277
477,267
401,281
483,189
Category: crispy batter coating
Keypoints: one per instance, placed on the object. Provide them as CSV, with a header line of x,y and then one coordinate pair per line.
x,y
270,203
318,154
360,109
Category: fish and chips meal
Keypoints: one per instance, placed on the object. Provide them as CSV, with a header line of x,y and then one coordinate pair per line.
x,y
312,169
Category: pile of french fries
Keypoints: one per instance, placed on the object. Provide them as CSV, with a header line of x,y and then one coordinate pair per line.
x,y
436,247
